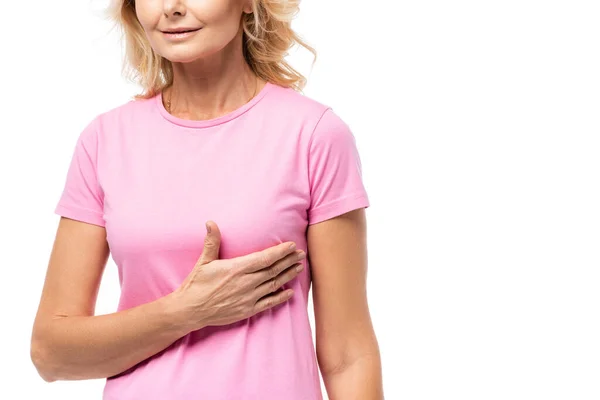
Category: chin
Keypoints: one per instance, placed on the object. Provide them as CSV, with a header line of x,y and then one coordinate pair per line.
x,y
182,58
186,54
182,55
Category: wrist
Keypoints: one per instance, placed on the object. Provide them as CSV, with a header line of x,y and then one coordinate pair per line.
x,y
178,319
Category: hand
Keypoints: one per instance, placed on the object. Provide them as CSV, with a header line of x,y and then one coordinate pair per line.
x,y
220,292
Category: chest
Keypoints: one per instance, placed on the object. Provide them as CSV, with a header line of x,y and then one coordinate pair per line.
x,y
158,200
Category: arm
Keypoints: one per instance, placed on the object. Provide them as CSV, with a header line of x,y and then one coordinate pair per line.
x,y
346,346
68,342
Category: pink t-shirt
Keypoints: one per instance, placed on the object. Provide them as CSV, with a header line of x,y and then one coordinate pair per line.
x,y
263,173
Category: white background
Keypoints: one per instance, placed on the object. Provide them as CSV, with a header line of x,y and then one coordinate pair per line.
x,y
478,128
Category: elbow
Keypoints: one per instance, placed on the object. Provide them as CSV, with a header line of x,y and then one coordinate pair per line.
x,y
40,362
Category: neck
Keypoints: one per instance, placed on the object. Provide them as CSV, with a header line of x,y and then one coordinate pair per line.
x,y
212,86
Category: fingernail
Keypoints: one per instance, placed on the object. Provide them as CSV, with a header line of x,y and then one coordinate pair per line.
x,y
293,246
299,267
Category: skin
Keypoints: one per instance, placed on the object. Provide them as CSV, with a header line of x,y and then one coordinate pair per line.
x,y
211,78
346,346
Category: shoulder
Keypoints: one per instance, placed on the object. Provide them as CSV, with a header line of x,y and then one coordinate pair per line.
x,y
322,124
289,102
125,112
118,118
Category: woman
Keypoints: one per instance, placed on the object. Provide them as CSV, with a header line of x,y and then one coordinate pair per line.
x,y
220,134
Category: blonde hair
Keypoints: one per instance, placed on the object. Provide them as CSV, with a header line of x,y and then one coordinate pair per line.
x,y
267,37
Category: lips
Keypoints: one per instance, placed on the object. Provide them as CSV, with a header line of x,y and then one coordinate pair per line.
x,y
181,31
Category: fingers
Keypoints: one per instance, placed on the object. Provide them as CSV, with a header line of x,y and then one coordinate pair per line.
x,y
275,283
272,300
212,243
262,259
274,270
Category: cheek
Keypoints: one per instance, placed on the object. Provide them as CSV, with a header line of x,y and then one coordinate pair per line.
x,y
221,20
216,12
148,13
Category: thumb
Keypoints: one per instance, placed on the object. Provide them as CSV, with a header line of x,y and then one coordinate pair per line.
x,y
212,242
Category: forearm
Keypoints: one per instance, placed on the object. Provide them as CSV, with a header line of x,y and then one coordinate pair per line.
x,y
90,347
361,379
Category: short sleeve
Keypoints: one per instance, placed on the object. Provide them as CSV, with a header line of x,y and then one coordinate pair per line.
x,y
334,170
82,198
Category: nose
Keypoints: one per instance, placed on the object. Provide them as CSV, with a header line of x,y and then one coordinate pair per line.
x,y
173,7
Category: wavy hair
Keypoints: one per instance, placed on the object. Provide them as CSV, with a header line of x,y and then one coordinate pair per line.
x,y
267,37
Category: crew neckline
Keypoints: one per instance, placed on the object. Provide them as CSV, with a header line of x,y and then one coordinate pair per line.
x,y
192,123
